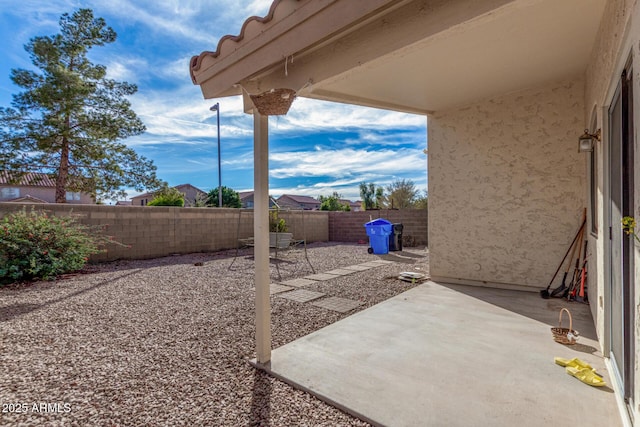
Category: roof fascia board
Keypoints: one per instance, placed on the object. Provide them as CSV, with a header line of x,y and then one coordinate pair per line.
x,y
396,30
326,95
321,19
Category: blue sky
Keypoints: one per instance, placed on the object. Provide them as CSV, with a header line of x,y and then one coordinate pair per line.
x,y
317,148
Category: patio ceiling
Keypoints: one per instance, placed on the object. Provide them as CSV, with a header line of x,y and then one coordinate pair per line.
x,y
407,55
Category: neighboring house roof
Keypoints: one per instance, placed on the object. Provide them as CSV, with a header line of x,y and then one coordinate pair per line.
x,y
123,203
181,188
350,203
300,199
29,179
27,199
245,194
292,200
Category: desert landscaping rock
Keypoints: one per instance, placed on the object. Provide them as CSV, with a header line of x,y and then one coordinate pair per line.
x,y
166,342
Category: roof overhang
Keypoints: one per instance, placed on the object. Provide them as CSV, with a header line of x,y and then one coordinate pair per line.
x,y
407,55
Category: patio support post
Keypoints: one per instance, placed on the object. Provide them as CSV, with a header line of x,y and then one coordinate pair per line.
x,y
261,235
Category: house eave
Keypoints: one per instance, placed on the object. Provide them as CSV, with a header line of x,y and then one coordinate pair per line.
x,y
291,29
406,55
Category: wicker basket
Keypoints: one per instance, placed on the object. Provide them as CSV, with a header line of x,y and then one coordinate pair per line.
x,y
562,335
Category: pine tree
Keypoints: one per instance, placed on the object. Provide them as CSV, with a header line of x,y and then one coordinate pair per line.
x,y
68,120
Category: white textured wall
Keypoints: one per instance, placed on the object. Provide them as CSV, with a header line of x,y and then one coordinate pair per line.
x,y
506,186
618,39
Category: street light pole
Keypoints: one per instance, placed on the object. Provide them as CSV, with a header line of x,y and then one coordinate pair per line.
x,y
216,108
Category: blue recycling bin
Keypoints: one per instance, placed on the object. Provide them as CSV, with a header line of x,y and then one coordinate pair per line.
x,y
379,231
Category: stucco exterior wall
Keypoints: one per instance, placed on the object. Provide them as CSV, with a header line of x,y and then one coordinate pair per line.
x,y
506,186
618,40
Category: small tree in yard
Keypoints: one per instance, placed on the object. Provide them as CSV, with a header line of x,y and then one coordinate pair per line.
x,y
68,119
372,197
167,197
333,203
230,198
34,245
422,202
402,194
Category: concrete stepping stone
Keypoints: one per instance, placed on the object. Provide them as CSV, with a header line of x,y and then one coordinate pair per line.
x,y
299,282
321,276
341,305
276,288
340,272
357,267
301,295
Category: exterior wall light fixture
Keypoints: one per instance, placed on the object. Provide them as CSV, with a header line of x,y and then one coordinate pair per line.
x,y
586,141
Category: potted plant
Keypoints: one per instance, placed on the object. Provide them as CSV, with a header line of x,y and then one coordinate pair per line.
x,y
278,236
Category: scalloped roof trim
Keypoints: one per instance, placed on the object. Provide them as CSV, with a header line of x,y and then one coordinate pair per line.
x,y
196,61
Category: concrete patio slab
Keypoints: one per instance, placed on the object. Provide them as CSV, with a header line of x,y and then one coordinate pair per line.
x,y
298,283
302,295
445,355
321,276
341,305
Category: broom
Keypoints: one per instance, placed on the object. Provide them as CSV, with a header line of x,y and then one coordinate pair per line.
x,y
544,293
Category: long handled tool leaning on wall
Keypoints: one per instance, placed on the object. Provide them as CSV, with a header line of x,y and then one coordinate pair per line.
x,y
544,293
579,279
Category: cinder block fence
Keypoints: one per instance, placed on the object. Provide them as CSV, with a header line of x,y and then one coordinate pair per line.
x,y
349,226
152,231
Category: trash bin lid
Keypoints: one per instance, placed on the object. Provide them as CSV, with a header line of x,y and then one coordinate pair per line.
x,y
379,226
379,221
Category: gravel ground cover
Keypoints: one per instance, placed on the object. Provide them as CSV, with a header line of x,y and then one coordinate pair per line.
x,y
167,341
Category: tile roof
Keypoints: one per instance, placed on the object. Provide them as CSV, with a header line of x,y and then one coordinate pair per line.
x,y
300,199
31,178
177,187
28,199
196,61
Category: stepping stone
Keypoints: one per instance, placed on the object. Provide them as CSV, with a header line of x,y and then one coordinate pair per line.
x,y
357,268
340,272
371,264
321,276
298,283
276,288
341,305
302,295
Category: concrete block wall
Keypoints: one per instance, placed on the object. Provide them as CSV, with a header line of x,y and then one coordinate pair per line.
x,y
152,231
159,231
312,226
349,226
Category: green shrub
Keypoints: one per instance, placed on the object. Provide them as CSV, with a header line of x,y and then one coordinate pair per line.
x,y
166,201
277,224
167,197
35,245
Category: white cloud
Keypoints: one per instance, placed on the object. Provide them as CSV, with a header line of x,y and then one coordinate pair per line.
x,y
313,114
126,68
199,21
345,163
